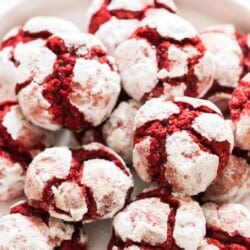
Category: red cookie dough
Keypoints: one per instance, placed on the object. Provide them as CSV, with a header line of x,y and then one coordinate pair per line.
x,y
75,84
158,220
228,223
118,129
221,41
164,57
30,228
185,143
240,113
113,21
232,184
21,39
19,142
212,244
82,184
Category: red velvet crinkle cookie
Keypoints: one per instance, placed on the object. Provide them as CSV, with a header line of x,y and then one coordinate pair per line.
x,y
240,113
118,129
19,142
73,83
164,57
232,184
221,41
18,41
158,220
113,21
29,228
82,184
228,223
185,143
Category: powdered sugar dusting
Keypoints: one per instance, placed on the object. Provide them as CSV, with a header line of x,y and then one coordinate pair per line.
x,y
213,127
69,198
138,68
141,153
50,24
12,179
52,162
95,86
33,233
187,165
155,109
190,225
108,184
118,130
129,5
35,107
118,29
232,218
168,24
140,222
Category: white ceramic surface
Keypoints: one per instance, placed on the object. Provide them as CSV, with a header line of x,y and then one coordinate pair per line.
x,y
201,13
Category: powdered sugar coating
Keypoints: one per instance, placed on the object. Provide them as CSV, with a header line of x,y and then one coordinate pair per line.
x,y
177,142
12,178
32,231
171,52
232,184
189,220
24,132
194,177
94,79
155,109
88,183
232,218
120,18
118,129
52,162
90,90
49,24
102,173
169,25
139,222
240,113
137,67
16,45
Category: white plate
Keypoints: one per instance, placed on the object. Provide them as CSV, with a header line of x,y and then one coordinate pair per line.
x,y
201,13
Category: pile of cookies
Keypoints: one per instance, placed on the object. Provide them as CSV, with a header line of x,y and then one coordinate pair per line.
x,y
144,90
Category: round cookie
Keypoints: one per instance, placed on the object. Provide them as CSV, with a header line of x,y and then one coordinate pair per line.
x,y
27,228
185,143
84,184
19,39
221,41
118,129
76,88
164,57
158,220
20,141
114,21
240,113
228,223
